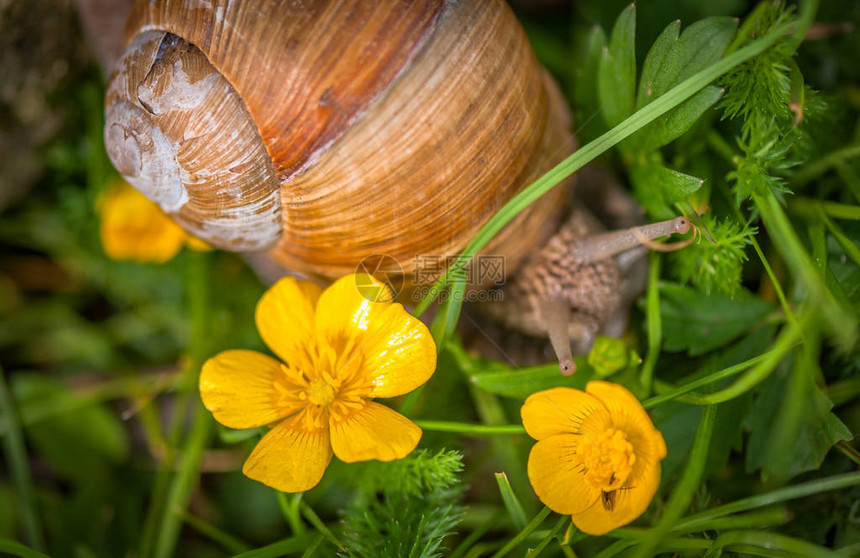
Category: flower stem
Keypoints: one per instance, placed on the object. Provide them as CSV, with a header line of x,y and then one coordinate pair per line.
x,y
468,428
290,509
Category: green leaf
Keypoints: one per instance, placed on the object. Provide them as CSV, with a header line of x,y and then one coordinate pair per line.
x,y
677,121
512,503
585,87
698,323
525,381
616,78
657,188
700,45
659,55
819,429
673,59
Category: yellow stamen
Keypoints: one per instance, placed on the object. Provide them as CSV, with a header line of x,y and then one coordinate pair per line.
x,y
608,458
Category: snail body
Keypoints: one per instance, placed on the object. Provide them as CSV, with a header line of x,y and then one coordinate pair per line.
x,y
329,132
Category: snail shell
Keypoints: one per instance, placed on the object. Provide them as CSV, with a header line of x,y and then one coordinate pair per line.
x,y
329,131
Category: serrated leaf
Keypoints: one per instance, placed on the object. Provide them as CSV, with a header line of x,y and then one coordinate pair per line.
x,y
819,429
658,187
677,121
657,58
525,381
616,77
698,323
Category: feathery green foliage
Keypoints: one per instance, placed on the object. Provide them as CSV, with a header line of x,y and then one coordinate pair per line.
x,y
715,262
406,508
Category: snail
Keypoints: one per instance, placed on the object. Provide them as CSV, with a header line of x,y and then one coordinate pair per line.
x,y
327,132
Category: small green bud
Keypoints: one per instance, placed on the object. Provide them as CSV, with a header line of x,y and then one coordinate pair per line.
x,y
610,355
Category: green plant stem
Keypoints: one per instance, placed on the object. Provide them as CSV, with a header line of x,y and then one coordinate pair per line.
x,y
290,508
469,428
851,249
780,545
709,379
183,483
593,149
810,208
521,536
230,543
787,339
686,488
280,548
654,324
553,533
19,469
724,149
839,321
318,524
702,519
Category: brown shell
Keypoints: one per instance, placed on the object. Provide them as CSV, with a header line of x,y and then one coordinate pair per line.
x,y
392,127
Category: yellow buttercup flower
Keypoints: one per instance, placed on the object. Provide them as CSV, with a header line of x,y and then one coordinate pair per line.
x,y
339,350
134,228
597,457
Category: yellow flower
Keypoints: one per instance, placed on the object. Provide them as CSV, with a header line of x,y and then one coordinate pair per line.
x,y
339,351
134,228
597,457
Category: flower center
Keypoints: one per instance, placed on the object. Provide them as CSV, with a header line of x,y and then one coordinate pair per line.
x,y
608,458
323,390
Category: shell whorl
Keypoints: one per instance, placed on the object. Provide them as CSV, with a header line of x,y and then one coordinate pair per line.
x,y
179,132
394,127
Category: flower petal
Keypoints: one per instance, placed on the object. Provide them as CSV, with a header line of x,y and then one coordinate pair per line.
x,y
134,228
557,475
629,416
622,507
374,432
563,411
397,349
285,319
239,388
290,458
